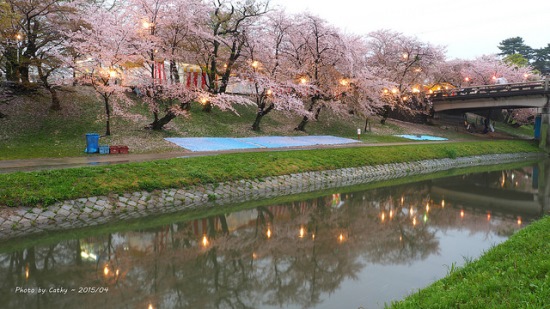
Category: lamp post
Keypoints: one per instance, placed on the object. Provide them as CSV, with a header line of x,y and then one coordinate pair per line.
x,y
18,39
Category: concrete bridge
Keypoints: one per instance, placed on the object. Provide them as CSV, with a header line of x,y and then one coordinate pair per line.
x,y
499,96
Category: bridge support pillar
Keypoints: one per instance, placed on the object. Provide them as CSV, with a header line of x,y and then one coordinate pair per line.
x,y
545,127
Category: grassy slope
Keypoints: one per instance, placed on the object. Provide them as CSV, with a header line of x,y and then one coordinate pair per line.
x,y
515,274
31,130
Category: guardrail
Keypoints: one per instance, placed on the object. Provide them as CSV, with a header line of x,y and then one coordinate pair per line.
x,y
498,90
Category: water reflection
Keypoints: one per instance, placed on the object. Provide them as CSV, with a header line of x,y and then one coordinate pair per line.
x,y
341,250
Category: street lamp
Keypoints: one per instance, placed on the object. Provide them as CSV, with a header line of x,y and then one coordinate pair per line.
x,y
18,39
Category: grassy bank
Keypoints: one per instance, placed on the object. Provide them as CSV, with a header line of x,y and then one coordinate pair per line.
x,y
47,187
31,130
515,274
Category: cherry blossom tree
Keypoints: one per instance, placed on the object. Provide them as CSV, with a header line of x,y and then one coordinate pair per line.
x,y
314,51
106,38
405,61
162,28
220,52
485,70
269,73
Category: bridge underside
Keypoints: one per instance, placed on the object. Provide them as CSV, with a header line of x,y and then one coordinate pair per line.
x,y
536,101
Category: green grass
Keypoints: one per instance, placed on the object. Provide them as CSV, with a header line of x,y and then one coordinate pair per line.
x,y
31,130
47,187
515,274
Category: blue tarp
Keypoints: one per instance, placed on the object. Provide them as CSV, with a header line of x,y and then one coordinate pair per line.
x,y
228,143
423,137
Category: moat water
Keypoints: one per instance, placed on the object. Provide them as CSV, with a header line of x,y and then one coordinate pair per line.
x,y
348,248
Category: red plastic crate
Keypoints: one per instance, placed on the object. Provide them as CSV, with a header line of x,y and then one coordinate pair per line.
x,y
118,149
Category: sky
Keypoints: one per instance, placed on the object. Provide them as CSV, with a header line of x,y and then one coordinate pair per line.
x,y
468,29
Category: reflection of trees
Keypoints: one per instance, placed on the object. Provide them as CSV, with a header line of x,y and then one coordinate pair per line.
x,y
290,254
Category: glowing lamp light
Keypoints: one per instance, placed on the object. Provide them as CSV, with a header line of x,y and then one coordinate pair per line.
x,y
18,37
442,203
268,233
466,79
462,214
344,82
303,80
489,217
383,216
525,75
27,272
494,77
405,56
254,255
341,237
203,101
112,73
255,64
391,214
117,272
394,90
414,221
269,92
405,98
302,232
312,236
427,207
205,241
106,270
519,220
150,306
415,90
146,25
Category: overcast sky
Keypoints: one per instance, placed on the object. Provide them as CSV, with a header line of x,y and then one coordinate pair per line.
x,y
468,28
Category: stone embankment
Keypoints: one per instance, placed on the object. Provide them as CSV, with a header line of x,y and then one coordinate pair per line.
x,y
91,211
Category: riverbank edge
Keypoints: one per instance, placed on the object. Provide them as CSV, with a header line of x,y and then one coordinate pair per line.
x,y
513,274
96,210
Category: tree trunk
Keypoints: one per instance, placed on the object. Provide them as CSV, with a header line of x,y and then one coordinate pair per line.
x,y
256,124
12,66
159,123
260,115
56,104
174,75
305,120
385,115
108,114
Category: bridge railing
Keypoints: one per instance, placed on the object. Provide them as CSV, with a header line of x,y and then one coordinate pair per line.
x,y
501,90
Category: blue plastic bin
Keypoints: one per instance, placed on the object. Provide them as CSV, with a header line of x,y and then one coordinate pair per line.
x,y
92,143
